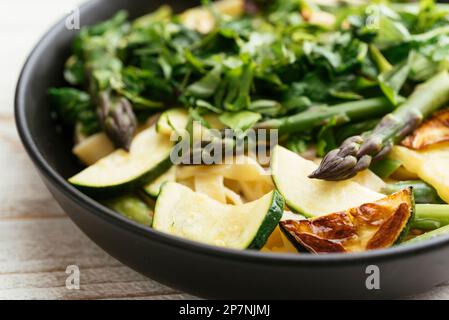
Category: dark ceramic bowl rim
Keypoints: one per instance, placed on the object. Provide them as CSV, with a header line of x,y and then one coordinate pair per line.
x,y
245,255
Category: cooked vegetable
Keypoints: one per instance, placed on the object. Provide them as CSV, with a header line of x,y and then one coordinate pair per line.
x,y
133,208
424,225
118,119
386,167
422,192
369,180
354,129
429,164
432,131
402,174
370,226
124,171
154,187
322,115
172,120
74,107
431,216
356,153
277,59
240,121
312,197
182,212
430,235
97,51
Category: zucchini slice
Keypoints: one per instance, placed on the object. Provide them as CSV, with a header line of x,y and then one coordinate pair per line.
x,y
313,197
432,131
370,226
430,164
120,171
177,119
182,212
133,208
370,180
172,120
153,188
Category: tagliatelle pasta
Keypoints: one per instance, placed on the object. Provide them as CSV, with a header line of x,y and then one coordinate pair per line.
x,y
239,182
213,186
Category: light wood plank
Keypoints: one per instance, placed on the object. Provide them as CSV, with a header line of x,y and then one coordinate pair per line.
x,y
34,255
90,291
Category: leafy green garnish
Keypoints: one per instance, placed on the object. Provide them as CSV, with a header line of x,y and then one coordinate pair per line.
x,y
241,121
274,61
74,107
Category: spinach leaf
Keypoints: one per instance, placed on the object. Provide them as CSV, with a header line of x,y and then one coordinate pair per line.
x,y
74,107
391,81
240,121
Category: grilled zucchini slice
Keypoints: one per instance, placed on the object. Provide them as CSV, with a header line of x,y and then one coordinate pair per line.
x,y
182,212
312,197
121,171
430,164
370,226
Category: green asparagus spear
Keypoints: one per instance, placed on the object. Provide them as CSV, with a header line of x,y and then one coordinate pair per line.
x,y
425,224
357,153
320,116
133,208
352,129
385,167
118,119
100,45
423,192
431,216
430,235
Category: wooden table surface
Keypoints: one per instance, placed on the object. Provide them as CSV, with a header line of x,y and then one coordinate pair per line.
x,y
37,240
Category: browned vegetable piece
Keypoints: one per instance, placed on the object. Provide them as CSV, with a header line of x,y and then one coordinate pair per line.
x,y
434,130
371,226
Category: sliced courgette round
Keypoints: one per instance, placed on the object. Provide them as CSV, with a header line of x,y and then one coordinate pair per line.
x,y
177,119
370,226
172,120
430,164
182,212
313,197
153,188
148,158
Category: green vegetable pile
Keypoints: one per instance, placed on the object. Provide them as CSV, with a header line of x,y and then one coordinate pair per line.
x,y
273,60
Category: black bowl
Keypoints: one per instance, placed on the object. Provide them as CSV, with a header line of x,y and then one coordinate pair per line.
x,y
193,267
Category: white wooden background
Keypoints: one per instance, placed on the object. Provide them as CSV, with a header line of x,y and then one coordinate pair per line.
x,y
37,240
